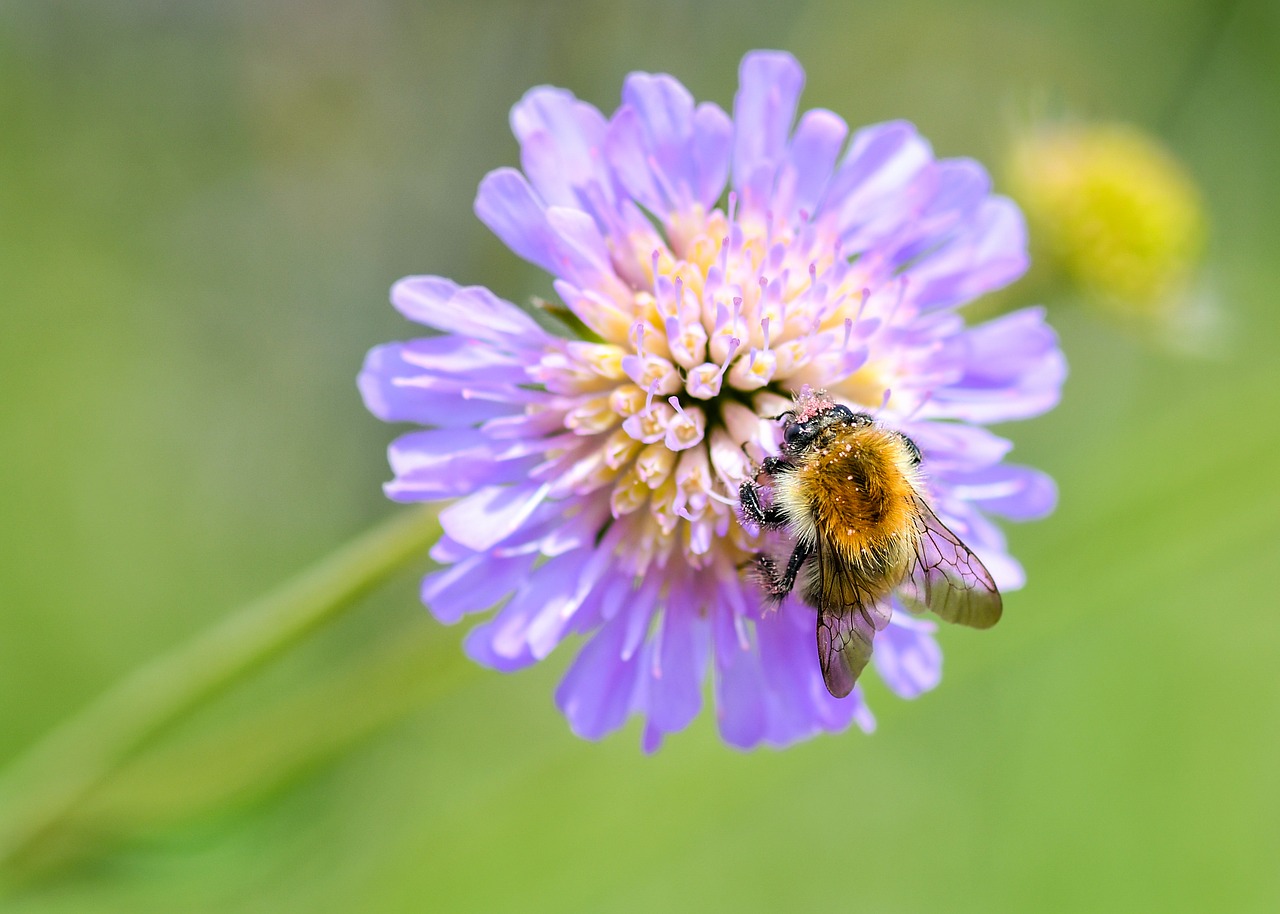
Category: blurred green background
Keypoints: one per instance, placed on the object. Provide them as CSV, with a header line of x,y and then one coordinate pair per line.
x,y
201,209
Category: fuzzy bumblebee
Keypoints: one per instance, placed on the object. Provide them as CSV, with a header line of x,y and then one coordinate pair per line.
x,y
846,492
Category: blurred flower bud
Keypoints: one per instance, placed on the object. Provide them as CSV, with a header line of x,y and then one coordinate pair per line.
x,y
1113,211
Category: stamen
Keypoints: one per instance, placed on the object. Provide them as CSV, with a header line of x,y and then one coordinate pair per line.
x,y
902,293
636,338
734,343
704,380
724,500
924,401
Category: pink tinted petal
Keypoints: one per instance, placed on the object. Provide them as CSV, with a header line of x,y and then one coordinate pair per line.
x,y
807,168
677,669
596,693
582,255
712,146
664,118
769,85
789,658
459,358
651,739
626,151
958,187
991,253
1013,369
418,450
393,391
504,642
446,551
579,573
948,447
478,645
866,190
741,698
561,139
484,519
459,476
472,585
1003,351
447,463
1016,492
508,206
962,184
907,656
563,241
577,531
472,311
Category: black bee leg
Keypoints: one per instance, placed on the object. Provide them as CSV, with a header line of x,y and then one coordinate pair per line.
x,y
912,449
770,518
772,465
779,584
798,555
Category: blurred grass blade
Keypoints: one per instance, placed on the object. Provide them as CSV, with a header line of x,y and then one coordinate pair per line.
x,y
240,762
48,781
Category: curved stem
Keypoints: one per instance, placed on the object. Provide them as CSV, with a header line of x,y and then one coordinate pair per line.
x,y
55,774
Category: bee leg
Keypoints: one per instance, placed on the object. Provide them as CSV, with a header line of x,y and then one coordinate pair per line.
x,y
912,449
772,465
780,583
798,555
770,518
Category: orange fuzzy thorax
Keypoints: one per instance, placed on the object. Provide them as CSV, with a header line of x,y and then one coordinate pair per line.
x,y
855,488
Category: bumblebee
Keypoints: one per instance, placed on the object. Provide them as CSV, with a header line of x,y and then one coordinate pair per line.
x,y
846,493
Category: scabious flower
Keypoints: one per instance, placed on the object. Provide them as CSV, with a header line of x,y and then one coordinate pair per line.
x,y
717,264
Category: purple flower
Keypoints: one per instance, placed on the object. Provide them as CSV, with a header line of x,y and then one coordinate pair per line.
x,y
597,477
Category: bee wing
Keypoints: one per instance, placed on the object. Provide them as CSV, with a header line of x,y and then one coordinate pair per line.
x,y
848,619
947,578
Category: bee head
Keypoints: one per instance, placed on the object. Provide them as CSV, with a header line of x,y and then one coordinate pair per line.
x,y
801,428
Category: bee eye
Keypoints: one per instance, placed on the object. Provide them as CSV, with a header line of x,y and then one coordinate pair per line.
x,y
791,433
842,411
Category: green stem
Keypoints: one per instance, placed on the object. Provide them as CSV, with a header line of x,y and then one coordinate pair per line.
x,y
46,783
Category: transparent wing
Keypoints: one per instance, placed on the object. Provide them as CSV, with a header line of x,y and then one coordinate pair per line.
x,y
848,619
947,578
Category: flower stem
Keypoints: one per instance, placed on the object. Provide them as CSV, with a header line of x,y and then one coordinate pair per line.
x,y
43,785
